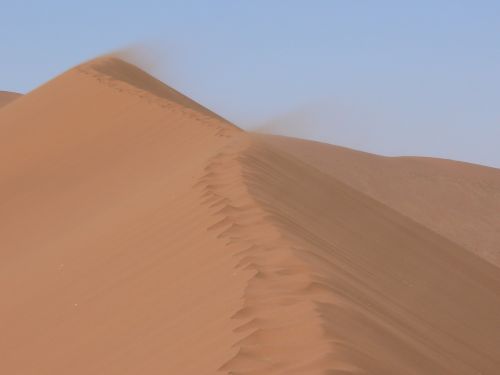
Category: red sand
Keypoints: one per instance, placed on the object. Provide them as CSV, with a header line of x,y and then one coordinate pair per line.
x,y
460,201
6,97
142,234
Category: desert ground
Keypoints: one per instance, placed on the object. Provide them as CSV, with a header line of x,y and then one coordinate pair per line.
x,y
141,233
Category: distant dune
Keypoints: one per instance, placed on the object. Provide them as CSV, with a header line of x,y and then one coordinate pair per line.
x,y
460,201
143,234
6,97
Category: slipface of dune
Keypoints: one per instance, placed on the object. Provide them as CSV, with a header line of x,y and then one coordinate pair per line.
x,y
143,234
460,201
6,97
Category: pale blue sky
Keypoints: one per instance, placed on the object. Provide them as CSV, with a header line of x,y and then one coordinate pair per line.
x,y
393,77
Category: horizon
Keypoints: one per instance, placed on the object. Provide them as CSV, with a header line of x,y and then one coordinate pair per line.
x,y
368,77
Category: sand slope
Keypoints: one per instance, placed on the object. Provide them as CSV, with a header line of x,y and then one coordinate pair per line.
x,y
7,97
142,234
461,201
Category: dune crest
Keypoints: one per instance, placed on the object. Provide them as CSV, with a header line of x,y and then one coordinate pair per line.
x,y
115,71
146,235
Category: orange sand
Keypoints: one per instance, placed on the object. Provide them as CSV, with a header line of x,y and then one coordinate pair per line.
x,y
458,200
6,97
143,234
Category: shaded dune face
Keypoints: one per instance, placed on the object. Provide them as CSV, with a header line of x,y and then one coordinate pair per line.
x,y
460,201
6,97
343,283
142,234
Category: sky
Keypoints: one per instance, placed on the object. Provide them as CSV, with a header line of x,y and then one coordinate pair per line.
x,y
390,77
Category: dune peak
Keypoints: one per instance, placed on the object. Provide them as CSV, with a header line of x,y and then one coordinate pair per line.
x,y
115,70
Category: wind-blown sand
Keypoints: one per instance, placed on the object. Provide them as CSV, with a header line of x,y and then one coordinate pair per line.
x,y
143,234
6,97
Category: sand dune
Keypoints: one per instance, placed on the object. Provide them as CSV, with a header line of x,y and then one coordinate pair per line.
x,y
7,97
143,234
461,201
